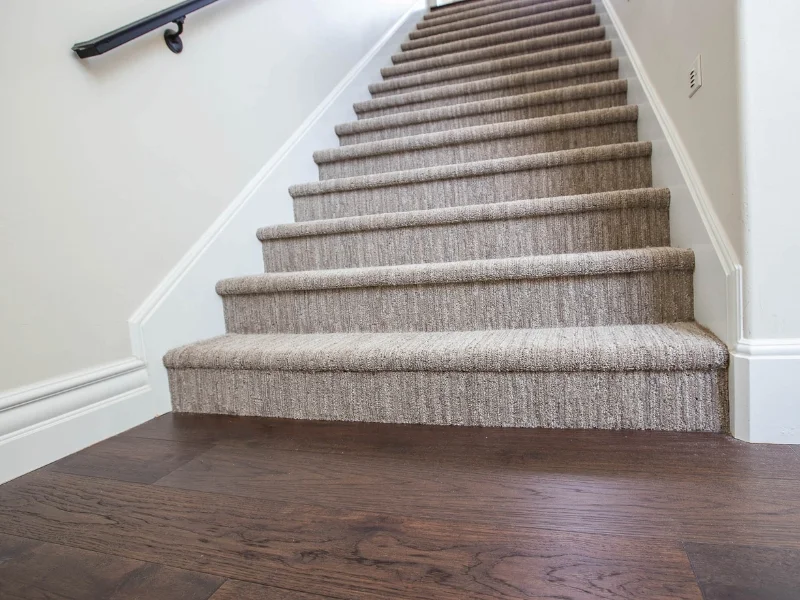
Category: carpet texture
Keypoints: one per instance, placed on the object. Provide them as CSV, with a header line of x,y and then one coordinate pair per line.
x,y
483,248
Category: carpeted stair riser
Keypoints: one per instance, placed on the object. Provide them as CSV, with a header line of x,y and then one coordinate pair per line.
x,y
456,59
567,290
557,101
546,59
592,223
437,18
489,89
646,377
517,138
468,26
586,9
497,40
655,400
582,171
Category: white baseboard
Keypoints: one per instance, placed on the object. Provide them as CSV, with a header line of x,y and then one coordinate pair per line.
x,y
46,421
184,307
765,383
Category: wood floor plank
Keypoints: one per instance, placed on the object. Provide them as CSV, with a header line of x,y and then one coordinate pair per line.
x,y
730,572
646,505
338,552
127,459
576,451
240,590
31,570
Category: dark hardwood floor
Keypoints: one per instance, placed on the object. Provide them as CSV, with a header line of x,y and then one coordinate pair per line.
x,y
198,507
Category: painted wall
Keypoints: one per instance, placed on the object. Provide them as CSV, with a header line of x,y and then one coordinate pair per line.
x,y
770,156
668,35
112,167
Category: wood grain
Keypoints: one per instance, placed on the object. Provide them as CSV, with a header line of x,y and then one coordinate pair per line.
x,y
728,572
240,590
573,451
33,570
338,552
126,459
646,505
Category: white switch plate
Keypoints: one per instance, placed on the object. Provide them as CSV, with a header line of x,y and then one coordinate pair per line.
x,y
695,76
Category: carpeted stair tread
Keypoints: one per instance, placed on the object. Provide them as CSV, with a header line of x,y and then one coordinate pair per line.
x,y
467,26
453,13
658,347
500,165
526,267
480,133
443,118
568,38
638,198
490,88
498,39
591,51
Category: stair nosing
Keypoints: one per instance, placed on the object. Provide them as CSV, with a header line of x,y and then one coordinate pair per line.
x,y
542,160
577,36
432,18
567,349
498,39
476,107
542,266
587,49
480,133
534,76
424,33
655,198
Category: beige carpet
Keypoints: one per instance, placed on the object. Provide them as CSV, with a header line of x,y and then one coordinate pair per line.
x,y
485,247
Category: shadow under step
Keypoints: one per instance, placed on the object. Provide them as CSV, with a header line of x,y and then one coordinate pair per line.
x,y
562,173
664,377
497,39
471,10
577,98
486,23
645,285
570,38
546,59
484,142
568,224
488,89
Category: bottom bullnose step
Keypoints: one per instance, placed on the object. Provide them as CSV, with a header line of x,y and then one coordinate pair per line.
x,y
664,377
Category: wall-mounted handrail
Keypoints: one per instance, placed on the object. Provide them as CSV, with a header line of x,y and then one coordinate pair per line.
x,y
174,14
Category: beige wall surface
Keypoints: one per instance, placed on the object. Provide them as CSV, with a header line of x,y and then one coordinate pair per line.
x,y
112,167
667,36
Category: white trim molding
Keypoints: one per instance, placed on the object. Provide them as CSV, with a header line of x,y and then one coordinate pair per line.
x,y
46,421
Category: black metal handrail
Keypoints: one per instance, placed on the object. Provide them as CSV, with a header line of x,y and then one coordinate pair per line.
x,y
174,14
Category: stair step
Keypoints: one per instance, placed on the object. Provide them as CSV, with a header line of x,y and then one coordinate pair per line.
x,y
569,38
514,138
546,59
467,26
498,39
453,13
562,173
561,225
592,96
644,285
491,88
669,377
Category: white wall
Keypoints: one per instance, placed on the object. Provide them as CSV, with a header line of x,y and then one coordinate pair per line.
x,y
770,161
112,167
667,35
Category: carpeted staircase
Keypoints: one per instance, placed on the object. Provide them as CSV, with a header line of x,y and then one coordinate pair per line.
x,y
484,248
